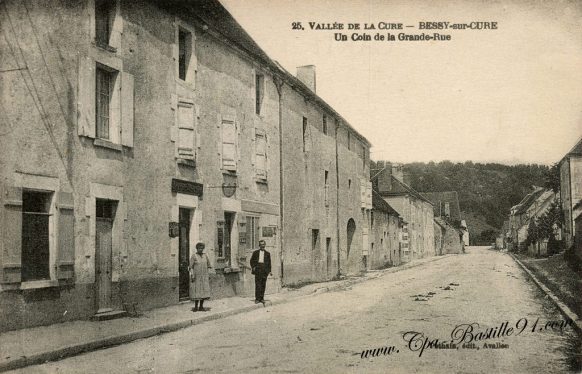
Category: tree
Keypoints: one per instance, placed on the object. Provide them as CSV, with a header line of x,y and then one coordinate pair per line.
x,y
553,178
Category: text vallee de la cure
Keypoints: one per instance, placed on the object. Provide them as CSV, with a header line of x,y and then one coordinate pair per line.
x,y
471,336
358,32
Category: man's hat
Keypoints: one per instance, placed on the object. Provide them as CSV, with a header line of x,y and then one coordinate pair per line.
x,y
200,245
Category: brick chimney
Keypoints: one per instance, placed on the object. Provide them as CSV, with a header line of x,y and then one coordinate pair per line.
x,y
398,172
306,74
385,178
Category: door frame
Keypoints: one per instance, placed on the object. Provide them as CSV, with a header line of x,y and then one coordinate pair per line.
x,y
187,202
119,250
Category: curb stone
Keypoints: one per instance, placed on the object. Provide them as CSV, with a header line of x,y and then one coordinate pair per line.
x,y
564,309
76,349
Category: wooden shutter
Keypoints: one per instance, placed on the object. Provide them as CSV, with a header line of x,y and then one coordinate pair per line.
x,y
66,235
186,139
229,152
127,92
12,235
86,98
260,154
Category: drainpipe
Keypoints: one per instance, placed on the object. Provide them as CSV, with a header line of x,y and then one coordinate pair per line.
x,y
279,85
337,197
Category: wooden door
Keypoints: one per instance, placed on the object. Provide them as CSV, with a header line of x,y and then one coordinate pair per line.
x,y
184,254
103,248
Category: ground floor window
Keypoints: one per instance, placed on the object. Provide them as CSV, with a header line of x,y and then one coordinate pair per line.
x,y
35,235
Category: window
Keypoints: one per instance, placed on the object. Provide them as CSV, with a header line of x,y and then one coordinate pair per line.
x,y
229,144
35,235
105,97
349,140
304,132
186,135
314,239
363,157
259,92
325,124
252,232
260,154
349,183
103,88
184,53
447,210
372,219
326,187
104,16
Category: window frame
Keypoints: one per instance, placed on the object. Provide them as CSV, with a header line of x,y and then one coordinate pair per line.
x,y
51,237
259,92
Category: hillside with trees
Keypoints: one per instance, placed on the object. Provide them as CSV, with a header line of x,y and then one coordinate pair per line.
x,y
486,191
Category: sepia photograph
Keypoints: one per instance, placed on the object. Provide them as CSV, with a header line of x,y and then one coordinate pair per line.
x,y
290,186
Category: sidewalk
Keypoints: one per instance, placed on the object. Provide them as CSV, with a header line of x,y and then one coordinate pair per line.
x,y
552,284
37,345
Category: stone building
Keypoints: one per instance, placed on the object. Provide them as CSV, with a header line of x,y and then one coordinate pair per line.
x,y
385,247
326,195
135,130
153,127
414,208
571,190
450,238
532,206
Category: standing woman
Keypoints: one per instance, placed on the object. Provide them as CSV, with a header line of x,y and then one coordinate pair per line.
x,y
199,283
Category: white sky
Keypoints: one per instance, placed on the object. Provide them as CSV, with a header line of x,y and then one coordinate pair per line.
x,y
508,95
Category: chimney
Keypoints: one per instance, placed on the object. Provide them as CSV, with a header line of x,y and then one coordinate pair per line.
x,y
385,178
306,74
397,172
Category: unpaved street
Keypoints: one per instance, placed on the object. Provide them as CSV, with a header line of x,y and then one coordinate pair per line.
x,y
327,332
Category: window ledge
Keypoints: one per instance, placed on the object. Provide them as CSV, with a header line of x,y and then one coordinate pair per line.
x,y
186,84
47,283
231,173
261,180
107,144
105,47
186,162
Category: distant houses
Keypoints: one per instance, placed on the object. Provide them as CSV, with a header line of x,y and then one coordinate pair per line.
x,y
524,217
415,209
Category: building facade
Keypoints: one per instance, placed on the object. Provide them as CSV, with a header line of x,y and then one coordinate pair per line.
x,y
385,246
571,189
326,196
415,209
155,126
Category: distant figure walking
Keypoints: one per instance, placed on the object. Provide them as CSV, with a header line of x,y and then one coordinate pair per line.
x,y
199,282
261,268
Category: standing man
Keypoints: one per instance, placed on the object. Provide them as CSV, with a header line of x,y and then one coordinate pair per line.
x,y
261,268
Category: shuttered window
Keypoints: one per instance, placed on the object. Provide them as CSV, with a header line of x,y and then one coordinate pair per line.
x,y
261,154
229,144
186,134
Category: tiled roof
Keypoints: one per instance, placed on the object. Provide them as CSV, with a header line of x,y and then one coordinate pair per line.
x,y
380,204
400,188
438,200
527,201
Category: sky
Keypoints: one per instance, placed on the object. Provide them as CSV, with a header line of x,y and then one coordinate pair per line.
x,y
510,95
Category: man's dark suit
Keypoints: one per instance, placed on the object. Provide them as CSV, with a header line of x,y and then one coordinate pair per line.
x,y
261,272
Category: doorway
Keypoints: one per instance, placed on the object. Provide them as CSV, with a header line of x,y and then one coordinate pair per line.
x,y
350,234
104,217
184,223
328,256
